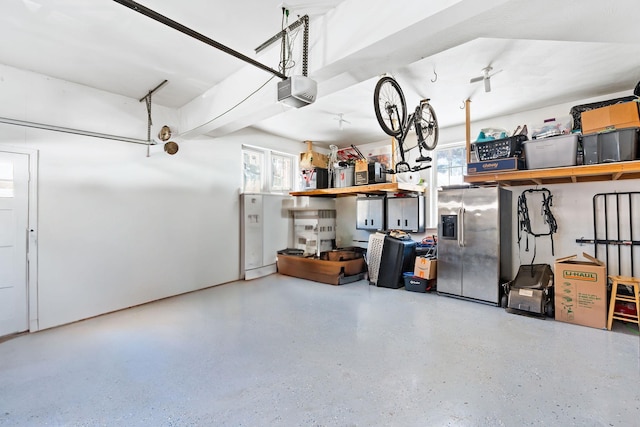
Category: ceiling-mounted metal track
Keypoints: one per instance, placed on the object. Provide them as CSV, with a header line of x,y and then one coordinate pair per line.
x,y
152,91
304,20
281,34
188,31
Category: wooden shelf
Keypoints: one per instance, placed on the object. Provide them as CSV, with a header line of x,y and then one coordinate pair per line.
x,y
386,187
571,174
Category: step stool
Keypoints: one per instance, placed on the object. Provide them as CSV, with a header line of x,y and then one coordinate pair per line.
x,y
633,282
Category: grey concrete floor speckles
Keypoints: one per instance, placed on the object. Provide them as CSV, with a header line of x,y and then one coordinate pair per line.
x,y
284,351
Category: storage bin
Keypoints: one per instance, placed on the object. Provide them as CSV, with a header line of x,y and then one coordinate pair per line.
x,y
343,177
313,179
551,152
616,146
414,283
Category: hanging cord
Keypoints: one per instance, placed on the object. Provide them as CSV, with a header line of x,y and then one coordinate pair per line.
x,y
524,219
289,34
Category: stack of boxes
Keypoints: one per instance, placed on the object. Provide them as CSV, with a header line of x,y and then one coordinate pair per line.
x,y
318,171
314,173
314,230
606,134
610,134
424,271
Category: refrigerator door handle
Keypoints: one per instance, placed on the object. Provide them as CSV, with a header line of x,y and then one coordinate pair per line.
x,y
461,227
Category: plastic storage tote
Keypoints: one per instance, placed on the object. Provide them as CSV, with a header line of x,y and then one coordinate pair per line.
x,y
414,283
551,152
609,147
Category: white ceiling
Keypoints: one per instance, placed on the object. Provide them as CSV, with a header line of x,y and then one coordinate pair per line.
x,y
549,52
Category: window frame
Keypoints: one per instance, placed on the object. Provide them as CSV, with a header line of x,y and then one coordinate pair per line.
x,y
267,179
432,216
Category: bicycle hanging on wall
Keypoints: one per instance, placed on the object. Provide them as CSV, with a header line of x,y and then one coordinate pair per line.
x,y
391,111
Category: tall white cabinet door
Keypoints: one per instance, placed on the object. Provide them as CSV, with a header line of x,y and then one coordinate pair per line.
x,y
14,205
253,231
277,226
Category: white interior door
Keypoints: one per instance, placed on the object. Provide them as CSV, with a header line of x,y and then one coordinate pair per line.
x,y
14,205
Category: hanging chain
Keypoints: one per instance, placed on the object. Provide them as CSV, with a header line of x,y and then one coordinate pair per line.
x,y
305,46
149,123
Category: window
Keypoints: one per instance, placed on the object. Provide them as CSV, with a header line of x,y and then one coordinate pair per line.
x,y
6,179
267,171
252,166
281,172
450,167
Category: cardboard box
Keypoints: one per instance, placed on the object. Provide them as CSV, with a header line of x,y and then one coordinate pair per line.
x,y
425,268
362,172
312,159
581,291
611,117
498,165
320,270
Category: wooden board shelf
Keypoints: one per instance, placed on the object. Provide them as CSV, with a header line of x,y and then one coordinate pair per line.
x,y
571,174
385,187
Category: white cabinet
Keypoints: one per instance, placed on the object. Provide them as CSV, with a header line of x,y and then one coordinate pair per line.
x,y
405,213
370,213
264,231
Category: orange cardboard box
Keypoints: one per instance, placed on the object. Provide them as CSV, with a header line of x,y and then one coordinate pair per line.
x,y
580,293
616,116
425,268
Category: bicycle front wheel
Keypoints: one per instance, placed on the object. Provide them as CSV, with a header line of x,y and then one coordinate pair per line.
x,y
390,106
428,127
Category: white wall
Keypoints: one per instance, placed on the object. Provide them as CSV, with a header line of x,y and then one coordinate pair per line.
x,y
572,203
117,228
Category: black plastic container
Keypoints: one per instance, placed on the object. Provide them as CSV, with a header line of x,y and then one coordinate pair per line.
x,y
316,178
414,283
617,146
398,256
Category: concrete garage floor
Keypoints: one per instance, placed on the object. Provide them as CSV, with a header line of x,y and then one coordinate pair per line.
x,y
289,352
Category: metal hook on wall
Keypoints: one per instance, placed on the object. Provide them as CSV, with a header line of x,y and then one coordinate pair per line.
x,y
435,74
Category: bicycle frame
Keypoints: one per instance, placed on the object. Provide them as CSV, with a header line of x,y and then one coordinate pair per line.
x,y
391,111
414,119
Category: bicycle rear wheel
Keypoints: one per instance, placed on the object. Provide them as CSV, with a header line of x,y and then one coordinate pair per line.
x,y
428,125
390,106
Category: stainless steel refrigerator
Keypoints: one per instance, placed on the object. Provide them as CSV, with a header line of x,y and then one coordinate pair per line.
x,y
474,242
